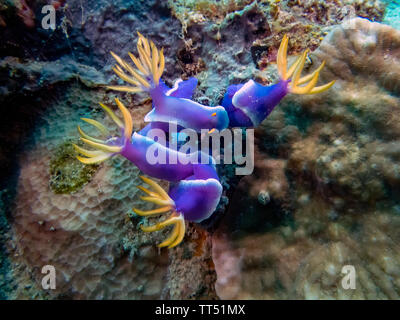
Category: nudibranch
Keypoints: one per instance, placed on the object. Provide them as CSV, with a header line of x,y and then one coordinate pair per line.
x,y
195,187
169,104
250,103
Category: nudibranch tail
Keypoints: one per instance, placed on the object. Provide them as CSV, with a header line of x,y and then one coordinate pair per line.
x,y
160,197
150,66
294,72
105,148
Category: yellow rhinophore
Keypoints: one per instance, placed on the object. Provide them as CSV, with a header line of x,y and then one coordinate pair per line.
x,y
294,72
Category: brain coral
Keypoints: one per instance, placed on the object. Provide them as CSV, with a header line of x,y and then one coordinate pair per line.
x,y
340,152
356,150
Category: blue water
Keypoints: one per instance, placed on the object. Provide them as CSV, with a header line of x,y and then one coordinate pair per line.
x,y
392,16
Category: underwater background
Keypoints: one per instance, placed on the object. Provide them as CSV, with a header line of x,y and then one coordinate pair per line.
x,y
325,191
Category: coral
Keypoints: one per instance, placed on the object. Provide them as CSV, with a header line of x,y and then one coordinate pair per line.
x,y
306,261
339,155
371,248
350,154
307,22
267,177
328,12
80,233
365,49
22,86
191,273
189,12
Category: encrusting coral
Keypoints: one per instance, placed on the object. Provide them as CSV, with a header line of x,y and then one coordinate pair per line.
x,y
80,233
340,155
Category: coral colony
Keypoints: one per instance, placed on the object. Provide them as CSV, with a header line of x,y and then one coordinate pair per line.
x,y
195,188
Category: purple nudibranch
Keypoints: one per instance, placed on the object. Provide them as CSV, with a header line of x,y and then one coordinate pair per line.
x,y
195,189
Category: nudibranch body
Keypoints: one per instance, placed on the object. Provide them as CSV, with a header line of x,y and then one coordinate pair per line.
x,y
250,103
195,189
169,105
185,112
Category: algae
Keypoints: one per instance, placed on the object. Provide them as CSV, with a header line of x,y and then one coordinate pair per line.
x,y
67,174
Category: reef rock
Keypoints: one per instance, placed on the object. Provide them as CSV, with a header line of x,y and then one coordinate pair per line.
x,y
227,42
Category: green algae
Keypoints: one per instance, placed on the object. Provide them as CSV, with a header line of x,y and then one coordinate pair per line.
x,y
67,174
